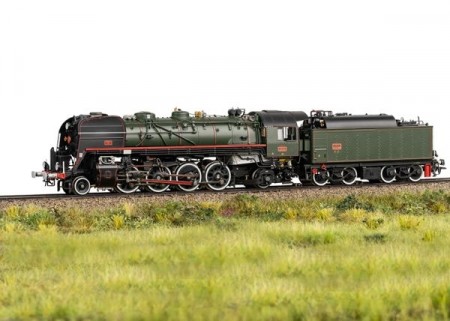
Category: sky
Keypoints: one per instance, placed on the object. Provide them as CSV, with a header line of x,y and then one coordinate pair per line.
x,y
65,58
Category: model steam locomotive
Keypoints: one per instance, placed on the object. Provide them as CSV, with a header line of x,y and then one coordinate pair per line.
x,y
147,153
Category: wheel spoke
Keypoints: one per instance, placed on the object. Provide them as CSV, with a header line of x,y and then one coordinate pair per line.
x,y
415,173
81,185
188,172
349,175
263,177
321,178
388,174
217,176
127,187
159,173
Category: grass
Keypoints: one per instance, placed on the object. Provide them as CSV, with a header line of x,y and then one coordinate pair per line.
x,y
365,258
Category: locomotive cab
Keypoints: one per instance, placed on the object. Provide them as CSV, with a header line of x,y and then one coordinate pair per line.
x,y
280,132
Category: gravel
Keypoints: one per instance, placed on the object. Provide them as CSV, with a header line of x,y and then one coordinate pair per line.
x,y
108,200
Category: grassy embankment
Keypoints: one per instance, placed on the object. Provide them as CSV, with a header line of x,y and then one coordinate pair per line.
x,y
357,258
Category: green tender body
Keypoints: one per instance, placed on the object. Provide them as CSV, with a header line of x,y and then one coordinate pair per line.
x,y
181,129
372,145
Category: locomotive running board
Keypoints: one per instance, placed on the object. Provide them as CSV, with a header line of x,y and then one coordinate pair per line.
x,y
178,150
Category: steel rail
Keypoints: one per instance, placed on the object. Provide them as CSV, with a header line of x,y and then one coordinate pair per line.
x,y
229,190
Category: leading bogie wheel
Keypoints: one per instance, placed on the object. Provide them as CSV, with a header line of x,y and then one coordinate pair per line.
x,y
81,185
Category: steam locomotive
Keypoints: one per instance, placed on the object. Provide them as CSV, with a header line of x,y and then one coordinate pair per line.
x,y
146,153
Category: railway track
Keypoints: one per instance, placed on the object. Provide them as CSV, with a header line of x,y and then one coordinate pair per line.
x,y
237,190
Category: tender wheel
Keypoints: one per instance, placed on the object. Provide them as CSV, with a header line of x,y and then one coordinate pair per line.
x,y
321,178
188,172
160,173
81,185
263,177
127,187
349,175
217,176
388,174
415,173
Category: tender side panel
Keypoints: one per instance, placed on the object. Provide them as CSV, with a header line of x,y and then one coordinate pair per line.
x,y
367,145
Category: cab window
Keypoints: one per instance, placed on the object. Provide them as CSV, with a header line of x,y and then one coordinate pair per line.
x,y
286,133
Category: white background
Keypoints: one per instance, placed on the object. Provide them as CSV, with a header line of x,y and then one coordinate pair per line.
x,y
60,58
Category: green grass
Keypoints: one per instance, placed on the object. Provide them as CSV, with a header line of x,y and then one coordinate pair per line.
x,y
333,259
257,271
